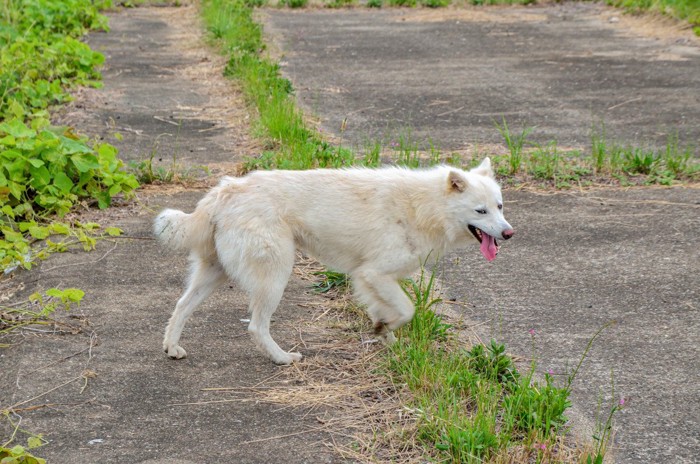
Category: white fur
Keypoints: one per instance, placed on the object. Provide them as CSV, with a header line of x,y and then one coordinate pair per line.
x,y
375,225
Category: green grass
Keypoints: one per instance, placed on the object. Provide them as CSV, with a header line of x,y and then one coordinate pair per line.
x,y
607,161
685,10
292,145
474,405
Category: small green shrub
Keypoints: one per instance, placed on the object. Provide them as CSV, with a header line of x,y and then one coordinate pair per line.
x,y
295,3
410,3
515,144
435,3
339,3
493,363
534,406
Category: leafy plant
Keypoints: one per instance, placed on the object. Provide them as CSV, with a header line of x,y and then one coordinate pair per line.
x,y
641,161
339,3
410,3
41,56
492,362
19,455
295,3
331,280
515,144
46,170
534,406
38,309
435,3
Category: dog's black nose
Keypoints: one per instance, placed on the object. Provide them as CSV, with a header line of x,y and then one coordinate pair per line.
x,y
508,233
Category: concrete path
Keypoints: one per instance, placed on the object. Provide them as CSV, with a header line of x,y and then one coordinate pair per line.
x,y
448,75
579,259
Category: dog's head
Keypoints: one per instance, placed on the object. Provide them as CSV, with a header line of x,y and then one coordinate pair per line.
x,y
475,202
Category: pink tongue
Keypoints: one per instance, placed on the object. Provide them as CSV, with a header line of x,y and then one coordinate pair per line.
x,y
488,246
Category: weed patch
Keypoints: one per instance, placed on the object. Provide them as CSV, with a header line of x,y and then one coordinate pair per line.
x,y
38,310
528,162
474,405
47,170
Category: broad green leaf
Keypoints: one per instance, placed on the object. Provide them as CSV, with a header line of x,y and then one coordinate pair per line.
x,y
40,177
84,162
34,442
39,232
8,141
54,292
37,163
63,182
59,228
114,189
73,294
12,236
70,146
17,128
16,109
103,200
16,189
89,225
114,231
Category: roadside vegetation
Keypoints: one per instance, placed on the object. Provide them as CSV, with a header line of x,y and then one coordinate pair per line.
x,y
474,404
457,401
47,172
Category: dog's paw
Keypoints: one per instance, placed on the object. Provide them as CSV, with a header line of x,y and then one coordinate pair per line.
x,y
175,352
287,358
387,338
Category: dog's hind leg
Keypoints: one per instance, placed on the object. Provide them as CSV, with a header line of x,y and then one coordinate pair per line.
x,y
387,305
263,303
265,274
206,276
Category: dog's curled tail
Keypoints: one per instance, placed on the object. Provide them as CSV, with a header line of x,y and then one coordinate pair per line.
x,y
177,230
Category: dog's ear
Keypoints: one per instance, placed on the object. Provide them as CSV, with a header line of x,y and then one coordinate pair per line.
x,y
484,169
456,182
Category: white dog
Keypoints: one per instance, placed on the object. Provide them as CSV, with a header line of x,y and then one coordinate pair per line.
x,y
377,225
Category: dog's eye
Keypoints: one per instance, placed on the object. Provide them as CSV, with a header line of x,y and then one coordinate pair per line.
x,y
480,211
500,206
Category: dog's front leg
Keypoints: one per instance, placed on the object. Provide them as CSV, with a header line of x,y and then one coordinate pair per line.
x,y
387,305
